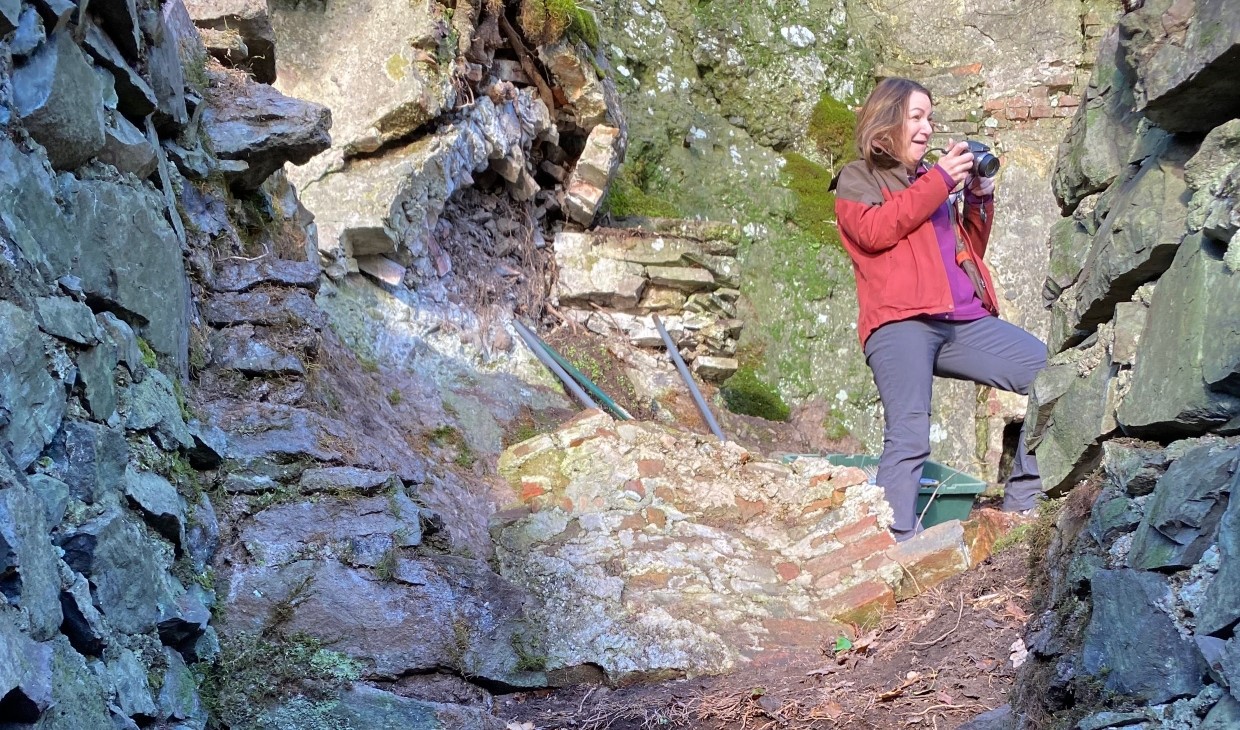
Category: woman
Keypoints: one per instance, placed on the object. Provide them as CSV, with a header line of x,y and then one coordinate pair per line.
x,y
927,304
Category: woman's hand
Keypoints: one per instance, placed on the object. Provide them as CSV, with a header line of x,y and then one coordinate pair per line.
x,y
957,163
982,187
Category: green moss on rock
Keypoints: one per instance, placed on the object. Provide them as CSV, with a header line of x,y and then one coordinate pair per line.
x,y
547,21
815,209
831,127
744,393
640,188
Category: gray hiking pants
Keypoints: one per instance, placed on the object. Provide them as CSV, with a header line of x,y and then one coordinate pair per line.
x,y
904,357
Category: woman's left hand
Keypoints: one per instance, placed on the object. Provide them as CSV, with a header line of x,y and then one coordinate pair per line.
x,y
981,187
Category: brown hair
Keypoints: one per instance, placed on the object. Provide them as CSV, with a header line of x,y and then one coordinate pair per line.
x,y
880,122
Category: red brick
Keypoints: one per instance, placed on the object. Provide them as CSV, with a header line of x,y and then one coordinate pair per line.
x,y
1042,111
857,529
665,494
649,467
862,604
991,105
566,504
531,490
578,440
972,68
656,517
635,485
650,580
748,510
522,449
787,571
794,632
851,553
1069,100
1062,82
822,505
1065,111
1018,113
1039,93
632,522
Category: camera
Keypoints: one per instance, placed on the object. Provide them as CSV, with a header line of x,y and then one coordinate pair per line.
x,y
984,163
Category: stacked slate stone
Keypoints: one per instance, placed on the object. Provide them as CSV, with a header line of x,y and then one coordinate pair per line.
x,y
614,281
1140,406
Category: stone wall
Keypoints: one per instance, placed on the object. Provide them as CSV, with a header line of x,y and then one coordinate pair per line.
x,y
654,552
1136,417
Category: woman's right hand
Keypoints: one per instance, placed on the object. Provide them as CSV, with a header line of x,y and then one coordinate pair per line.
x,y
957,163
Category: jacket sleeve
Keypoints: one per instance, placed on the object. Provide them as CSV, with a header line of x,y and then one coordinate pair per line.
x,y
979,218
874,224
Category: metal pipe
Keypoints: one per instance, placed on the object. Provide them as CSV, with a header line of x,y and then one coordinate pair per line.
x,y
698,400
581,378
571,385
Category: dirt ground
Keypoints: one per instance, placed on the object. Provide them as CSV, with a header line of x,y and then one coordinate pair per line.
x,y
935,662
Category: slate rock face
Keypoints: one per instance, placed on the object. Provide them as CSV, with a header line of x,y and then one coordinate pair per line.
x,y
31,401
60,102
1181,520
1187,55
1131,643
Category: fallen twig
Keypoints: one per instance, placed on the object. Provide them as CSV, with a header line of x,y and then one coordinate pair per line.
x,y
959,617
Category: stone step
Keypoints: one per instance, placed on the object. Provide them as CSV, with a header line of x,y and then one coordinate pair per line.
x,y
264,307
239,275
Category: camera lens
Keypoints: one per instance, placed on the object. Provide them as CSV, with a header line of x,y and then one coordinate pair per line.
x,y
985,165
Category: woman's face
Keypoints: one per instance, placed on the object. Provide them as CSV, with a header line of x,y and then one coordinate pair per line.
x,y
917,129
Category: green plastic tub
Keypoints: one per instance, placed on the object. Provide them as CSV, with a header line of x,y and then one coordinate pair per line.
x,y
957,490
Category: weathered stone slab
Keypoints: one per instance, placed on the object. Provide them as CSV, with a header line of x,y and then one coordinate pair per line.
x,y
1214,175
33,402
347,479
430,613
157,501
67,319
1132,645
1049,385
29,33
936,555
244,349
359,531
129,681
165,68
382,268
1069,448
10,15
258,125
240,276
1221,608
126,148
1138,241
366,706
1095,150
90,458
1187,56
28,559
83,624
135,97
715,369
1069,243
79,699
1129,320
575,74
120,19
1184,373
1133,469
250,21
684,278
1223,716
372,65
152,405
388,204
586,275
60,102
595,168
1181,519
25,669
1113,514
95,373
265,308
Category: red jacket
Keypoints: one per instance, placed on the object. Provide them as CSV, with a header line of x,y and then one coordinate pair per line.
x,y
885,226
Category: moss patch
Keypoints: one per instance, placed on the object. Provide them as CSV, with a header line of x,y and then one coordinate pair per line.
x,y
640,187
815,208
547,21
831,127
744,393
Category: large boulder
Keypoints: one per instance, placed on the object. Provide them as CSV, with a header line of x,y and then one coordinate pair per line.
x,y
1095,150
1185,374
373,64
261,127
1187,55
60,102
1080,417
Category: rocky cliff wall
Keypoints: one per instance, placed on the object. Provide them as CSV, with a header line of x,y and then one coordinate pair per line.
x,y
1136,417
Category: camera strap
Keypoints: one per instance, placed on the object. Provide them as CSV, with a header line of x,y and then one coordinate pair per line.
x,y
964,257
